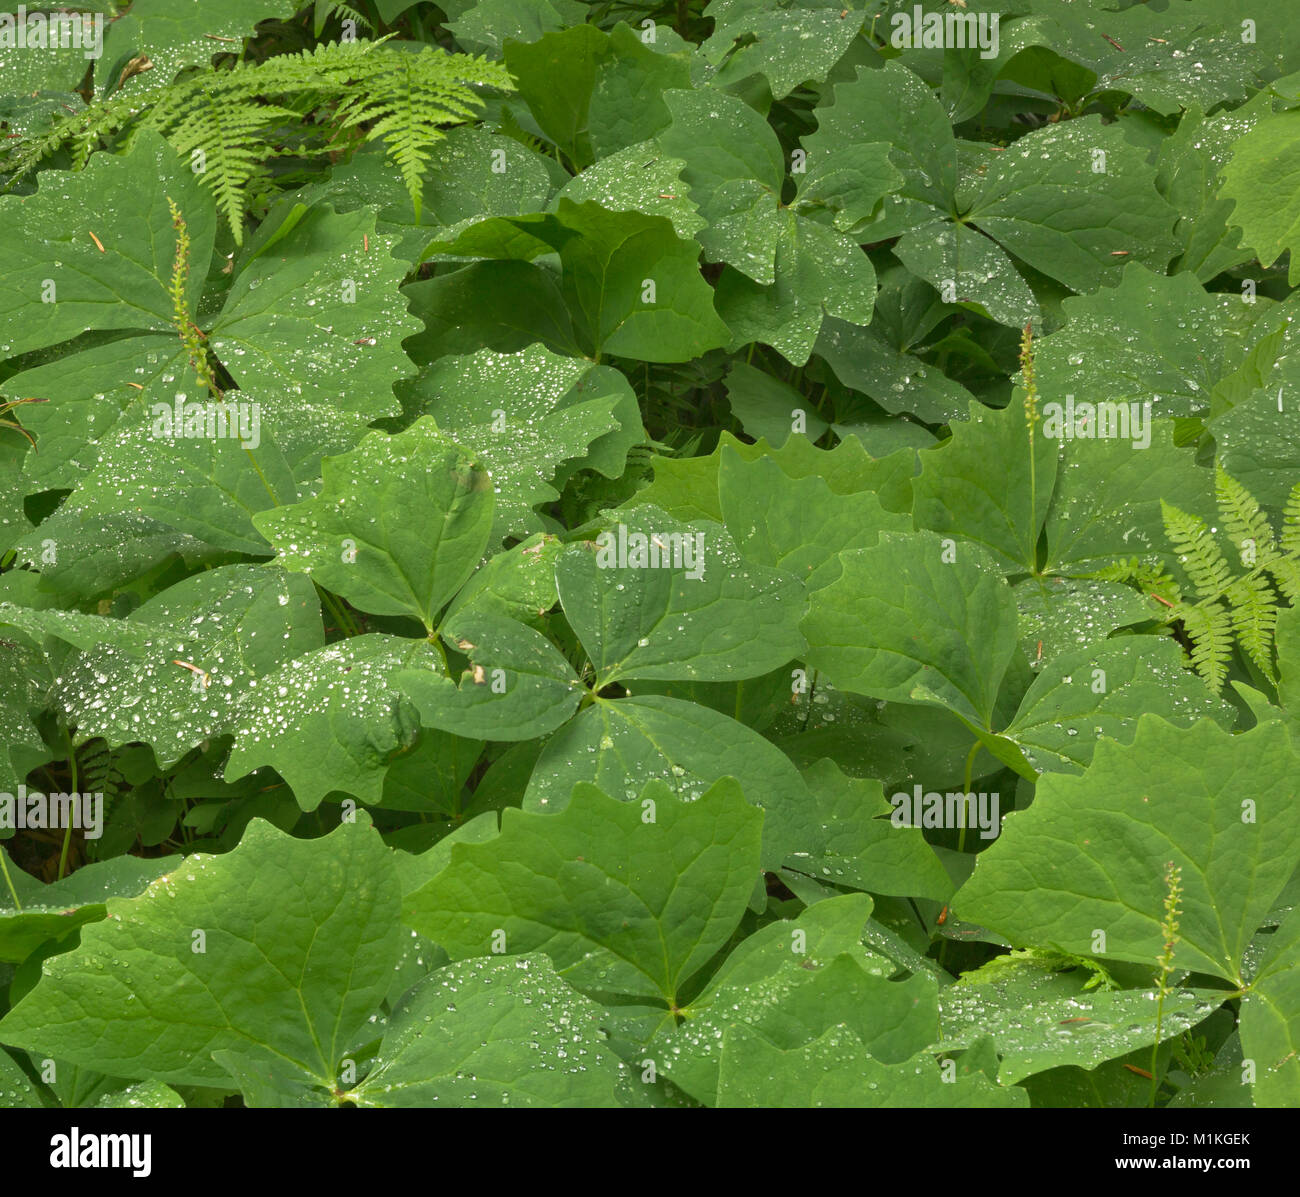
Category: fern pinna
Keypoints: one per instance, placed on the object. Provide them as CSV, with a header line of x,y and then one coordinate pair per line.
x,y
1230,608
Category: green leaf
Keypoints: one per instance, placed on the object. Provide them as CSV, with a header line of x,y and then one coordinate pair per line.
x,y
1089,854
400,524
1108,495
882,360
86,632
526,416
818,274
1102,690
480,173
892,105
498,305
300,936
330,721
431,777
1190,176
310,330
625,897
97,553
1270,1016
1153,64
56,911
853,843
229,626
848,188
17,1090
641,178
315,315
789,982
751,37
21,746
166,31
593,93
789,269
1038,1022
123,287
489,24
1011,195
1060,614
1257,437
703,613
620,744
207,487
734,168
961,259
492,1032
519,685
917,618
1264,180
518,583
147,1095
836,1070
13,489
631,285
58,67
1147,339
1018,203
957,494
796,525
768,408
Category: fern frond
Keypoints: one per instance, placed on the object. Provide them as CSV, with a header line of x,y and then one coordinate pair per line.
x,y
94,766
1286,576
1291,523
1244,520
230,120
1210,631
1124,570
1146,576
1254,616
409,98
1196,550
350,13
219,129
82,132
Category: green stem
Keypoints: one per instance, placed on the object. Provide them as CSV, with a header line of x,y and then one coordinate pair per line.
x,y
970,765
9,881
67,831
436,641
345,622
1155,1048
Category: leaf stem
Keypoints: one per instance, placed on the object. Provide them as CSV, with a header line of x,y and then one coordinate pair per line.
x,y
436,641
9,881
345,622
1031,418
966,780
67,831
